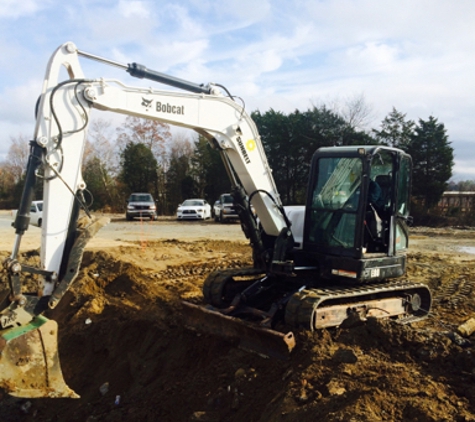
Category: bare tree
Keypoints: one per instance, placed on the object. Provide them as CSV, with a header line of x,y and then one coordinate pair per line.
x,y
354,110
100,135
152,133
357,113
181,145
17,157
101,164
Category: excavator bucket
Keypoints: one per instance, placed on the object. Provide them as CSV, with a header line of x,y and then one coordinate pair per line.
x,y
250,337
29,361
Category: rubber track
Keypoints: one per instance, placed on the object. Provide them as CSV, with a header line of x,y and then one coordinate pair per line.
x,y
213,285
301,307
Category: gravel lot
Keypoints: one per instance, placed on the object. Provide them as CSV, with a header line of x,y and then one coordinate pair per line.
x,y
121,232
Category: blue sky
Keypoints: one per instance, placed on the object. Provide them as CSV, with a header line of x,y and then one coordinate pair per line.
x,y
416,56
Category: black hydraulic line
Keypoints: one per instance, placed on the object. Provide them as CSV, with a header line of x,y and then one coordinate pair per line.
x,y
279,207
22,218
72,232
250,228
141,72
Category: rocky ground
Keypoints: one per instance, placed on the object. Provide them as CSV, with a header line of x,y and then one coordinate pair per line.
x,y
134,361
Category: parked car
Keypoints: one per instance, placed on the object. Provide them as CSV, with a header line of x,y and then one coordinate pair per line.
x,y
36,213
216,209
224,209
194,209
141,205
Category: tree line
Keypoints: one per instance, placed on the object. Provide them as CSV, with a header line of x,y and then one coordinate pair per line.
x,y
145,156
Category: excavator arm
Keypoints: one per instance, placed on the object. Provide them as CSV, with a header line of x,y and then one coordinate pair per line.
x,y
56,155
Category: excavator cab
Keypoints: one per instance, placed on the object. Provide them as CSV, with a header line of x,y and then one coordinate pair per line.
x,y
357,213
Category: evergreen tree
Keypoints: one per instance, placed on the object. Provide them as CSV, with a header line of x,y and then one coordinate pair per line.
x,y
291,140
178,170
395,131
102,186
139,168
208,172
433,160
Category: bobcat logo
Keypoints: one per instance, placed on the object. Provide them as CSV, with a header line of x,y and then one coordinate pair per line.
x,y
146,103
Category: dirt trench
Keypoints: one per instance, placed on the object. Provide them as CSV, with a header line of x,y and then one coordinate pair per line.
x,y
124,350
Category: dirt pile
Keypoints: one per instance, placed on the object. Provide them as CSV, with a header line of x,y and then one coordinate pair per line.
x,y
124,350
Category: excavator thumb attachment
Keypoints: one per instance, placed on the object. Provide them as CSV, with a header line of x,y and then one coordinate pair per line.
x,y
29,361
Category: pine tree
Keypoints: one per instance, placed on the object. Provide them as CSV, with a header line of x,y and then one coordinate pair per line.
x,y
395,131
433,160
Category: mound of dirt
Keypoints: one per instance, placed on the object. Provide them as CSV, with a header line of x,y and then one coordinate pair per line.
x,y
124,350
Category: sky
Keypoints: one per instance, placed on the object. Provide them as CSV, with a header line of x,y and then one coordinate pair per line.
x,y
413,55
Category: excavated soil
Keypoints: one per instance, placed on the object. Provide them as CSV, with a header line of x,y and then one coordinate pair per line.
x,y
125,351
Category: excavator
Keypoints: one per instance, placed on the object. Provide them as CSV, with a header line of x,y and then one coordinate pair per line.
x,y
341,256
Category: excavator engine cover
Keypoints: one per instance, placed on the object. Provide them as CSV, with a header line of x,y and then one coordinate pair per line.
x,y
29,361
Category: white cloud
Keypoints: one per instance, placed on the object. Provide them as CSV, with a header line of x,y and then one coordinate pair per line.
x,y
15,8
433,27
134,8
248,11
166,56
464,171
18,103
371,56
179,24
115,23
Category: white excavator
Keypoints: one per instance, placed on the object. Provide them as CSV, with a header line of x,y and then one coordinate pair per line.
x,y
339,257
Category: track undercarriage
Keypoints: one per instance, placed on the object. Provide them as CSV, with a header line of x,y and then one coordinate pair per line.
x,y
247,303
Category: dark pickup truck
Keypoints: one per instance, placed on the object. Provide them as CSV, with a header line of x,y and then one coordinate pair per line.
x,y
224,210
141,205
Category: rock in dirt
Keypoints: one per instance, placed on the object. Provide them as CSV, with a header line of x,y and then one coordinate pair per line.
x,y
467,328
202,416
459,340
335,389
